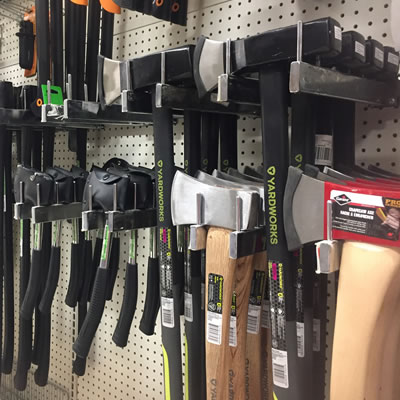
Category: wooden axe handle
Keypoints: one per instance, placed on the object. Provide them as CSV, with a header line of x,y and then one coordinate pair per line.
x,y
220,273
236,356
254,351
368,292
389,358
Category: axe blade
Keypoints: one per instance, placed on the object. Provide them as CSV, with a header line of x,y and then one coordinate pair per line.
x,y
303,207
235,172
208,64
114,77
219,204
212,180
232,178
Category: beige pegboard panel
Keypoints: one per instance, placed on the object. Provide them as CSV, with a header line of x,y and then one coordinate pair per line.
x,y
136,371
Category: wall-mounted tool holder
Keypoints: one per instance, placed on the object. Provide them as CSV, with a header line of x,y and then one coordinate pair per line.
x,y
41,214
117,221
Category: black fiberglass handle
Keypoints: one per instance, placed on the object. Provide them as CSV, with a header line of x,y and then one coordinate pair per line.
x,y
33,288
152,301
113,267
51,282
93,317
128,308
71,299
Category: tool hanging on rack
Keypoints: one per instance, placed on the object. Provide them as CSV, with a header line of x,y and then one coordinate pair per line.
x,y
8,101
28,93
194,307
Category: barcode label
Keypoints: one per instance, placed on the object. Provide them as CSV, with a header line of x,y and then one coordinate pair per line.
x,y
203,291
338,33
265,315
188,307
167,312
379,55
323,150
214,328
360,48
316,335
300,339
253,319
280,368
233,332
393,59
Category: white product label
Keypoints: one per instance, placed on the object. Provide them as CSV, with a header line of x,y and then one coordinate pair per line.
x,y
167,312
360,48
188,307
316,335
379,55
323,150
356,198
253,319
265,315
4,203
280,368
214,328
233,332
300,339
393,59
338,33
203,291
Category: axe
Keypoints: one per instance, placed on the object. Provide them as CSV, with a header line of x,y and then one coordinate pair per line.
x,y
206,202
256,364
304,227
320,37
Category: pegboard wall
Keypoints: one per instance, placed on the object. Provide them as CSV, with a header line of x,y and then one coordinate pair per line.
x,y
136,371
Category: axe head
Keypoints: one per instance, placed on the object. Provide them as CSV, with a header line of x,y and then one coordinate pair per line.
x,y
314,172
113,77
232,178
235,172
303,208
218,205
212,180
208,64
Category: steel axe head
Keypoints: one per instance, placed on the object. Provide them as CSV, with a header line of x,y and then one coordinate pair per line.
x,y
235,172
208,64
232,178
212,180
113,77
303,208
216,206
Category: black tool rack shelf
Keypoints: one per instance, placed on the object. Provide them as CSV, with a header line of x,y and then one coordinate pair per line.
x,y
234,95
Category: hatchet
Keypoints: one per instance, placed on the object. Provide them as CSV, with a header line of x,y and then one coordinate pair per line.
x,y
338,209
221,273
